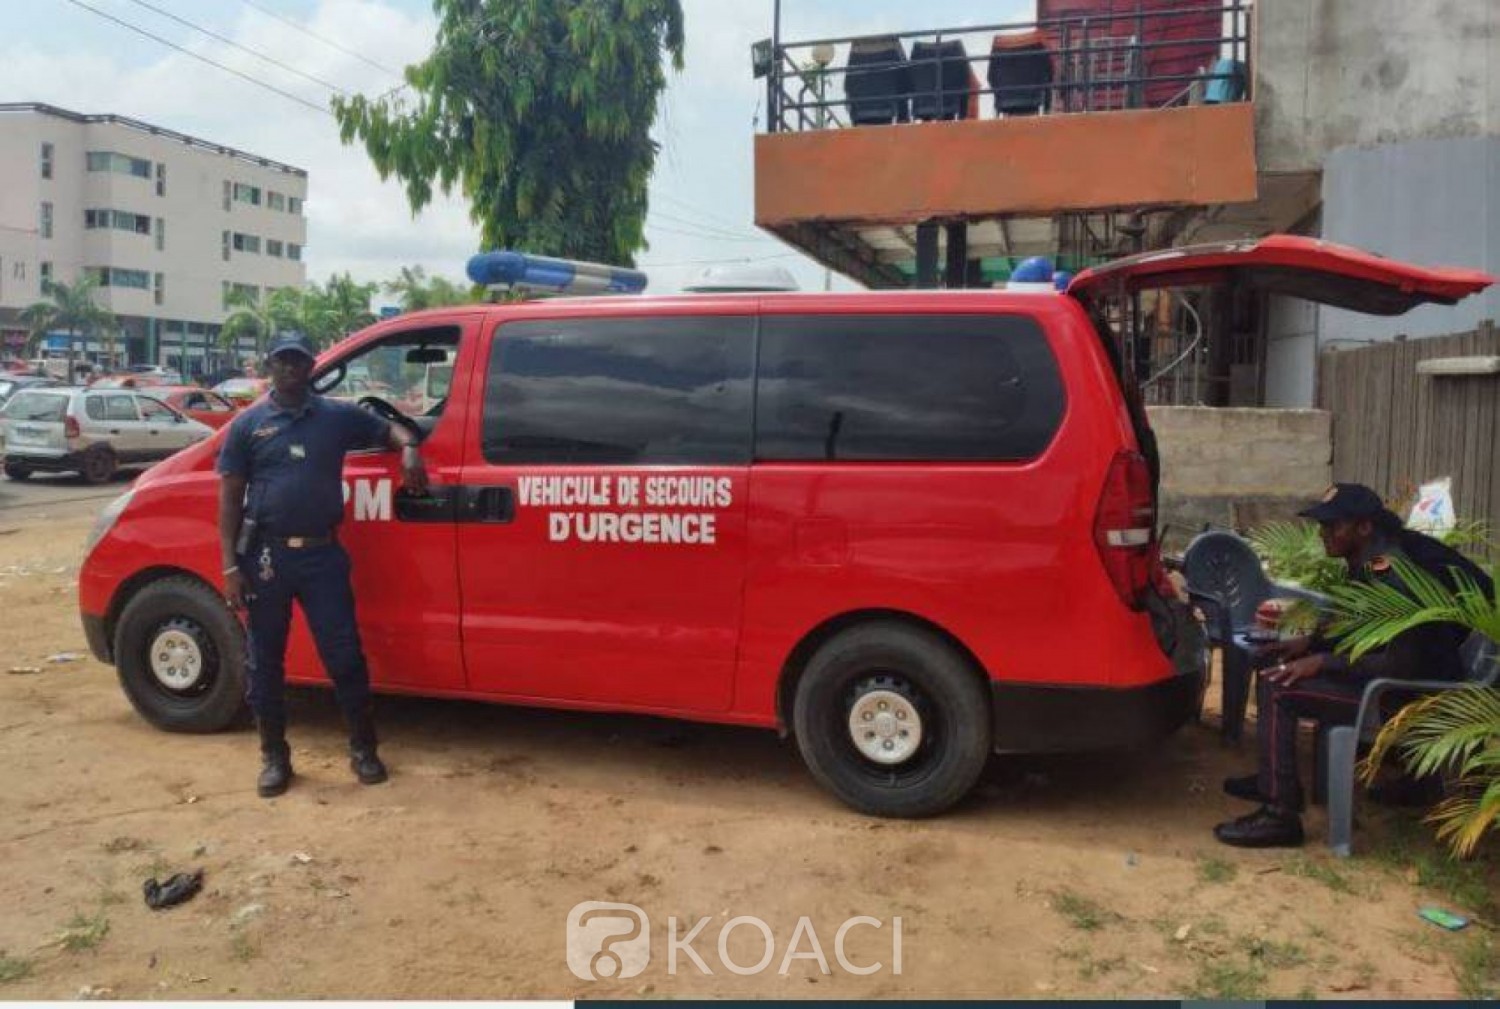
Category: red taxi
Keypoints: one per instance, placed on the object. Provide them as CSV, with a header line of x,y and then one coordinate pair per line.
x,y
200,404
910,529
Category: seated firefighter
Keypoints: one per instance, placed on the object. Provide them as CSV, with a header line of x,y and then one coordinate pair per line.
x,y
1303,678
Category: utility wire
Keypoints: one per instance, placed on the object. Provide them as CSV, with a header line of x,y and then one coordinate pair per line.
x,y
703,237
242,48
714,262
706,229
321,38
687,207
200,58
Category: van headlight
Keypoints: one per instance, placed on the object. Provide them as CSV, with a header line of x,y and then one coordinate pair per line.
x,y
106,520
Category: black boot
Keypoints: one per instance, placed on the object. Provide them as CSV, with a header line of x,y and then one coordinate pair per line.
x,y
363,760
276,760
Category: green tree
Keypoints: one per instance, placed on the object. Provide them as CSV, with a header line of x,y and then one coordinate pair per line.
x,y
250,315
339,308
1456,732
540,111
72,309
416,291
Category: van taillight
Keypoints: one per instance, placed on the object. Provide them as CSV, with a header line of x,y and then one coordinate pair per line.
x,y
70,427
1125,527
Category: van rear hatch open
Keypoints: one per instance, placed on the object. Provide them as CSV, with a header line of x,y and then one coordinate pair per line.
x,y
1292,265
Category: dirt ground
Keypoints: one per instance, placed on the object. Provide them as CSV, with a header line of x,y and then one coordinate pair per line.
x,y
1085,876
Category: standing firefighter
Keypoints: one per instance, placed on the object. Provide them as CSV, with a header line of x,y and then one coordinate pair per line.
x,y
280,504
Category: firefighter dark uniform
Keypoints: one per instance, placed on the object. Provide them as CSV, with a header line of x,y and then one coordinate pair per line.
x,y
292,461
1332,695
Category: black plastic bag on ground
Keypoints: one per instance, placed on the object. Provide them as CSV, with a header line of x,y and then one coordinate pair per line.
x,y
175,890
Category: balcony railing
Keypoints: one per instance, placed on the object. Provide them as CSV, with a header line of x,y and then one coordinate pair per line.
x,y
1084,63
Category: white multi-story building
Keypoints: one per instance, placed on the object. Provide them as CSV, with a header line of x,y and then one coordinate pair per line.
x,y
168,223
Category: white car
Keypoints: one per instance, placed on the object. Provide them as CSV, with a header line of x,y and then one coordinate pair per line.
x,y
90,432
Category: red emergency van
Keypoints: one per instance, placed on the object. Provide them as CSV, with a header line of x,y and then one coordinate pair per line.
x,y
911,529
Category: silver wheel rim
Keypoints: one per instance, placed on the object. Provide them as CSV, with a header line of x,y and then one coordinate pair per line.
x,y
885,727
176,660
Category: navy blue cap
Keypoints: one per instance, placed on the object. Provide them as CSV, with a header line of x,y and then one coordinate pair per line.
x,y
1347,501
291,343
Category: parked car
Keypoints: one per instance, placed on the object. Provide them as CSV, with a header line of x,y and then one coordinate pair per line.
x,y
132,380
91,432
12,384
200,404
910,528
242,390
168,376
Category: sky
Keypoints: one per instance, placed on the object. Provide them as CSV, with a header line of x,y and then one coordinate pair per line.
x,y
702,204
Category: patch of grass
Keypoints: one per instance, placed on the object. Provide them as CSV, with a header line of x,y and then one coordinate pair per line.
x,y
13,968
111,898
84,932
1409,848
1225,979
1089,967
1477,968
1321,872
116,845
1082,912
241,949
1306,995
1216,870
1273,954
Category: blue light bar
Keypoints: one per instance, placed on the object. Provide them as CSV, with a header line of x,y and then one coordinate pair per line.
x,y
509,269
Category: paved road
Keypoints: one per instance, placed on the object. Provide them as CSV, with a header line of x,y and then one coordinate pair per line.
x,y
19,498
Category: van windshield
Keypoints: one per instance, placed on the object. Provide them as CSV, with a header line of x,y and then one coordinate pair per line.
x,y
36,406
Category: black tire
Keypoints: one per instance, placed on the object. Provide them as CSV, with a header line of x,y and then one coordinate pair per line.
x,y
182,608
18,471
940,684
99,464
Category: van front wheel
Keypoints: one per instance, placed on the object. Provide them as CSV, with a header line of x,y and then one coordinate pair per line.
x,y
892,720
180,655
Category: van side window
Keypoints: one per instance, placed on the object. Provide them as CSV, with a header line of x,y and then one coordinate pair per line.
x,y
94,407
905,387
620,391
120,408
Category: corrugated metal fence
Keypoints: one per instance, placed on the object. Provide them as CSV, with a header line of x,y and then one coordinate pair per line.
x,y
1394,429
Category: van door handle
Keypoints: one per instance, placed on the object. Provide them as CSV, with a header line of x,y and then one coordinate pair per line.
x,y
489,505
114,430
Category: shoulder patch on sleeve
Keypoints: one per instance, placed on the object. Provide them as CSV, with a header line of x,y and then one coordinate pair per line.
x,y
1380,564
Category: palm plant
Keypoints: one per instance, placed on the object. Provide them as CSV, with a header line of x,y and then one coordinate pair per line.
x,y
416,291
1456,732
72,309
250,315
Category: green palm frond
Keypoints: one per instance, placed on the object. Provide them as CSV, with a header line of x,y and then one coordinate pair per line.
x,y
1293,551
1369,615
1466,815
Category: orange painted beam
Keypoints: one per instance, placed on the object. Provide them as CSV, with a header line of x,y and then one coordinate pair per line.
x,y
1197,155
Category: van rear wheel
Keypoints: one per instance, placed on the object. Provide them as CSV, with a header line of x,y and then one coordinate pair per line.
x,y
180,655
18,471
892,720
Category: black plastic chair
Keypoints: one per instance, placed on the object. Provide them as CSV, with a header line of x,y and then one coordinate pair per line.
x,y
1023,66
877,83
1226,581
939,80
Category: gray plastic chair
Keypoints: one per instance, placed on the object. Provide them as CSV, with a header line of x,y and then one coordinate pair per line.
x,y
1342,748
1225,579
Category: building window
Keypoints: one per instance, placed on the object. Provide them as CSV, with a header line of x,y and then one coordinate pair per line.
x,y
274,248
226,246
294,204
109,161
158,288
233,292
228,195
275,201
46,160
247,194
161,179
45,224
120,220
110,276
161,235
294,251
18,270
246,243
46,275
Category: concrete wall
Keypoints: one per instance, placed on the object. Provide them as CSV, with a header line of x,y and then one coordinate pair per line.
x,y
1431,202
1272,460
1338,73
